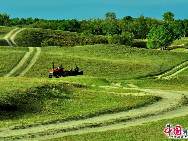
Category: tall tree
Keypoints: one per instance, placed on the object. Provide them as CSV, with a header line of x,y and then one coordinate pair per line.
x,y
4,19
159,37
110,16
128,18
140,28
168,16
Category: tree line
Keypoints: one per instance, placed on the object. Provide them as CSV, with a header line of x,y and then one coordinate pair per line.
x,y
113,28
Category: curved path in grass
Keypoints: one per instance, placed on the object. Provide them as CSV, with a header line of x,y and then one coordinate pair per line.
x,y
13,36
168,107
30,57
168,115
9,35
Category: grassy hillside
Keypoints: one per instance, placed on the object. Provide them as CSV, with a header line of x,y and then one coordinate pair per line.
x,y
113,62
9,57
114,89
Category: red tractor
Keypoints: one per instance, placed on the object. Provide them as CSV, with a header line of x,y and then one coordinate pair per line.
x,y
60,72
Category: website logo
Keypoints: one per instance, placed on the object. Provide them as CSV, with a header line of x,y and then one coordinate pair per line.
x,y
175,132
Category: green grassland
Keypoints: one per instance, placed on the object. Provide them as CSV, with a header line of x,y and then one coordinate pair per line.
x,y
120,97
109,86
113,62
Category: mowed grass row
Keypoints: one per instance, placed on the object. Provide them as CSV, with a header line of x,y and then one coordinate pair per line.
x,y
113,62
9,57
184,74
181,41
176,84
27,102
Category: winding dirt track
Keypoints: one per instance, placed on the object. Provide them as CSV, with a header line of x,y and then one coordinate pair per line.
x,y
30,56
21,63
135,122
12,38
8,36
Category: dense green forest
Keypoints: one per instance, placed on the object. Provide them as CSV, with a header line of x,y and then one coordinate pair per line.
x,y
110,29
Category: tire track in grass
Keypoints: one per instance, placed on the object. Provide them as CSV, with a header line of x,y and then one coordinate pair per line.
x,y
30,58
170,101
174,71
32,62
21,63
8,36
12,38
177,72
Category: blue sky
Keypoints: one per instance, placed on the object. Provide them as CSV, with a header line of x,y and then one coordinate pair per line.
x,y
86,9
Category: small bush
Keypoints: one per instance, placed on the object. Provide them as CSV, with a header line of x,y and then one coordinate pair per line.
x,y
139,43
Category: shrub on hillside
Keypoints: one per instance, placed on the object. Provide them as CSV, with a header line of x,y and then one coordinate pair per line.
x,y
99,39
32,37
114,39
126,38
41,37
73,40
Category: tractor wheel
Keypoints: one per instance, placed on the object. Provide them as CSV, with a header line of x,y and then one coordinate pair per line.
x,y
50,76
